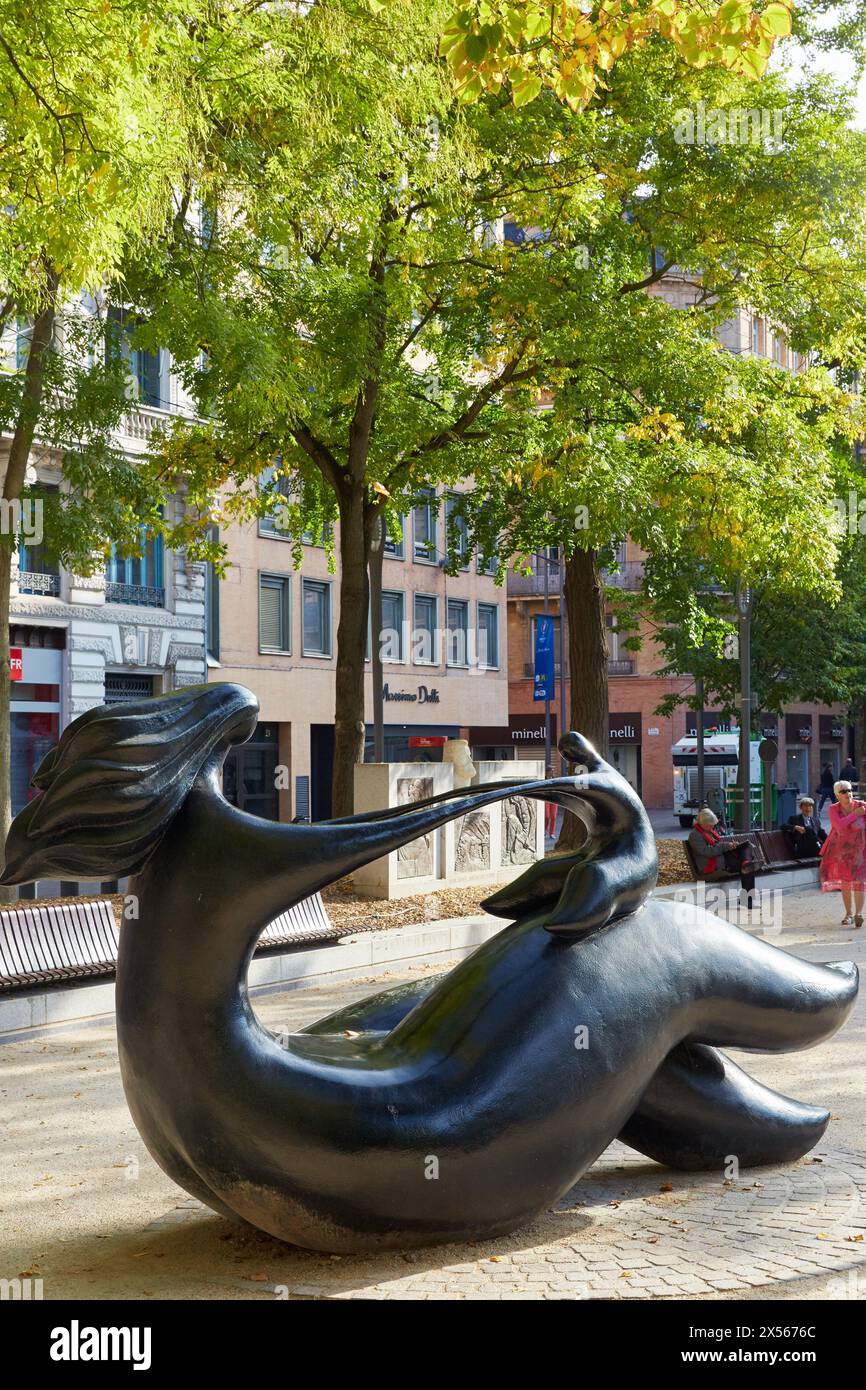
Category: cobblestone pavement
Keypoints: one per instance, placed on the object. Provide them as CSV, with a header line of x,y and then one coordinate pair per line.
x,y
84,1208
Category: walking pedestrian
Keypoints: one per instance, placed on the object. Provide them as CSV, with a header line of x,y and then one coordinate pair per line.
x,y
825,786
843,853
550,810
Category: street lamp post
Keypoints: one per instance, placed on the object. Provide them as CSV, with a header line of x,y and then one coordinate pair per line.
x,y
377,555
699,741
744,628
563,717
547,687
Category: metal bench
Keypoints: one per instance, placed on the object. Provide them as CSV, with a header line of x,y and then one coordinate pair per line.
x,y
777,851
53,944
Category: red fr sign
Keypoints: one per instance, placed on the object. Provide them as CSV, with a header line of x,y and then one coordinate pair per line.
x,y
16,661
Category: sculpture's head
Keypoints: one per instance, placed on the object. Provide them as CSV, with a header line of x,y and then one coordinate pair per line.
x,y
117,778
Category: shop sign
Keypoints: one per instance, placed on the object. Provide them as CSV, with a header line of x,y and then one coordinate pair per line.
x,y
423,695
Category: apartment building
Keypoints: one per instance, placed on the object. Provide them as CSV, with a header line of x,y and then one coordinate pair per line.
x,y
640,741
443,647
135,628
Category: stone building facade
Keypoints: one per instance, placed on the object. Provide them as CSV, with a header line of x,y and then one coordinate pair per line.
x,y
131,629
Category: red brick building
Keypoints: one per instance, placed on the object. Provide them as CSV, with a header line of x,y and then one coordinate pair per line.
x,y
640,741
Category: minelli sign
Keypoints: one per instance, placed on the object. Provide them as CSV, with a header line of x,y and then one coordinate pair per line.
x,y
16,664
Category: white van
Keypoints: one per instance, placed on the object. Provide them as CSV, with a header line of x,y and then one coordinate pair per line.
x,y
721,765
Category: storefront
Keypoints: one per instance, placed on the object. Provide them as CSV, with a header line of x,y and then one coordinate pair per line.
x,y
831,732
798,741
37,679
624,746
524,736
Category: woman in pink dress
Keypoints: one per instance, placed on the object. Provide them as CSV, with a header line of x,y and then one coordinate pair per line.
x,y
843,854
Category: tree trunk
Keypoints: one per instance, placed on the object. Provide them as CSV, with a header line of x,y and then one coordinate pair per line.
x,y
355,524
587,661
13,487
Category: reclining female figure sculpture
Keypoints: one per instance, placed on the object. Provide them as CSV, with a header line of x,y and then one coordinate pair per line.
x,y
325,1139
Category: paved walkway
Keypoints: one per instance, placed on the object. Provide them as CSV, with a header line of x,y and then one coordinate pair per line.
x,y
85,1209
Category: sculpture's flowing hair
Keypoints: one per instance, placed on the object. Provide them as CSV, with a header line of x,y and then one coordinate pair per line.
x,y
116,779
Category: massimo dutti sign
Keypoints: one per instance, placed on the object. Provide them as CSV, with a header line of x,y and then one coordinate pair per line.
x,y
421,695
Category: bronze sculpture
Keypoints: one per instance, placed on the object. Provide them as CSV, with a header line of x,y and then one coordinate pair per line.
x,y
447,1110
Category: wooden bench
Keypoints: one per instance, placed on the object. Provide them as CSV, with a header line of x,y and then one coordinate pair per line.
x,y
54,944
771,852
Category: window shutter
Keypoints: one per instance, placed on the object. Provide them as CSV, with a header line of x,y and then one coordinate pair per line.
x,y
270,615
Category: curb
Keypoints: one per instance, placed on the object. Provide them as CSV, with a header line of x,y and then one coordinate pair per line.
x,y
354,957
786,881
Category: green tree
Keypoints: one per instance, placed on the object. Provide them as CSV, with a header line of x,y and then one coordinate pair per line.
x,y
362,320
720,465
367,331
97,123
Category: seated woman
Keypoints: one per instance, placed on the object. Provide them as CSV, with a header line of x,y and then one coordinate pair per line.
x,y
717,855
804,832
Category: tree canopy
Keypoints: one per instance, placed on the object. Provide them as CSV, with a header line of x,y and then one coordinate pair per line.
x,y
569,46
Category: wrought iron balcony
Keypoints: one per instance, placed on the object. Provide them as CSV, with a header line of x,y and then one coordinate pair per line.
x,y
620,666
140,595
525,585
628,576
30,582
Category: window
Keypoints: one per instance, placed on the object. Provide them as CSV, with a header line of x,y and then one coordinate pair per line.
x,y
425,638
23,334
284,495
488,635
37,572
425,518
274,523
456,532
212,603
137,578
320,537
391,629
394,545
317,618
756,336
121,689
457,635
619,660
275,631
145,367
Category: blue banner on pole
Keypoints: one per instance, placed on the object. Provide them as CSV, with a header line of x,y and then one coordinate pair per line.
x,y
544,686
